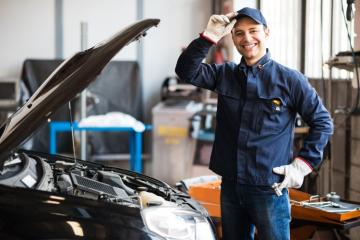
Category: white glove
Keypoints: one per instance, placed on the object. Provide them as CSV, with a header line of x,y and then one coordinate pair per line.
x,y
219,26
294,173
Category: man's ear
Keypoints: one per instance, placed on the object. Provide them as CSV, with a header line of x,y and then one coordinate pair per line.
x,y
267,32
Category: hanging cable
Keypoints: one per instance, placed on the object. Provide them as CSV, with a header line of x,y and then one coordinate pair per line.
x,y
349,11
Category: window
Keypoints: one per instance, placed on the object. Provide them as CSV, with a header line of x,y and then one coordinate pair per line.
x,y
324,39
284,20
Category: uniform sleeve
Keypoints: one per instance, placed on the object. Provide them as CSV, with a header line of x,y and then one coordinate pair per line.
x,y
190,68
314,113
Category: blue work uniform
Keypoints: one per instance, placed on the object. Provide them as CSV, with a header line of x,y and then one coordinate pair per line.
x,y
256,113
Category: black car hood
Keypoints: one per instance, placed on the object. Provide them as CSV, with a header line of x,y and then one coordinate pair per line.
x,y
69,79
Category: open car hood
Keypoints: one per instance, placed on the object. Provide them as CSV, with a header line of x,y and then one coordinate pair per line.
x,y
69,79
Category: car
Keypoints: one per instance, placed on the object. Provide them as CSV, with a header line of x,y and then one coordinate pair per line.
x,y
44,196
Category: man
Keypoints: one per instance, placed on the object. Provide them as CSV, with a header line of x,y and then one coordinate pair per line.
x,y
258,100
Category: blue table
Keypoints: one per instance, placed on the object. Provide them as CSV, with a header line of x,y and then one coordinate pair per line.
x,y
135,139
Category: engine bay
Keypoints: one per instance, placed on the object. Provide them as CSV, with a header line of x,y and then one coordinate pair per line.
x,y
64,175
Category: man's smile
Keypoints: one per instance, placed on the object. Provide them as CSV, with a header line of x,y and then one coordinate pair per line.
x,y
248,46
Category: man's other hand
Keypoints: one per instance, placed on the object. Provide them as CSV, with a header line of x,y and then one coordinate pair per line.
x,y
294,173
219,26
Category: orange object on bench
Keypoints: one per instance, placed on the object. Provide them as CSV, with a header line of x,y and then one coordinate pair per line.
x,y
208,194
305,213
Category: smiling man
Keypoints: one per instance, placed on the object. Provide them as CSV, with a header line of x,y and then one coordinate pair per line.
x,y
249,39
258,100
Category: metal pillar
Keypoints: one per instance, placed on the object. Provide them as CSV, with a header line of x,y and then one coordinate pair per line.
x,y
83,140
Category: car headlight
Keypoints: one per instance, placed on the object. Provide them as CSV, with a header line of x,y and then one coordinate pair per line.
x,y
175,224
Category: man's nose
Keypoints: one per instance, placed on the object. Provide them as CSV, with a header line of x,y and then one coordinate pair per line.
x,y
247,36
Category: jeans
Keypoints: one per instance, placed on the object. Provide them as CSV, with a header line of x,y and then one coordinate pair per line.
x,y
244,207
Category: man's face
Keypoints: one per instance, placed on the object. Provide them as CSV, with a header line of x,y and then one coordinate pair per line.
x,y
249,38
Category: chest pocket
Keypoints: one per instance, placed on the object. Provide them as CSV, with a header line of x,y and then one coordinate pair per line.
x,y
228,105
273,115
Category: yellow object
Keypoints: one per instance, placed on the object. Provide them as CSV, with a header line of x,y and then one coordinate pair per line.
x,y
168,131
276,102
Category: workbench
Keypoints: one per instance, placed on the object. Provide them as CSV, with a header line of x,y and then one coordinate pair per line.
x,y
135,139
304,223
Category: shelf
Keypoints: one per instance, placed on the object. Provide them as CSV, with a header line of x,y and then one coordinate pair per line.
x,y
344,62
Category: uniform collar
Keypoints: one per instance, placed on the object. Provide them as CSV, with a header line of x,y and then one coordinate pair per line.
x,y
254,69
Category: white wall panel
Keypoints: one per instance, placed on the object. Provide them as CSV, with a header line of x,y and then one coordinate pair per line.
x,y
318,51
340,38
284,21
181,22
103,17
27,31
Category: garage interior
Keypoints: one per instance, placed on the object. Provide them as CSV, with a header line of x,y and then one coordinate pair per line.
x,y
320,39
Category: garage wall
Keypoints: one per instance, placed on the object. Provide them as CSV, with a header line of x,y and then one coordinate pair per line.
x,y
355,125
103,18
27,30
355,133
181,21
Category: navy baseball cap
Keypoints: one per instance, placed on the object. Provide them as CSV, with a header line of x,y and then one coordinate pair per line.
x,y
252,13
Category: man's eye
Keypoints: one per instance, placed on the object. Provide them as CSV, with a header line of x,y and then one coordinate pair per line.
x,y
253,31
